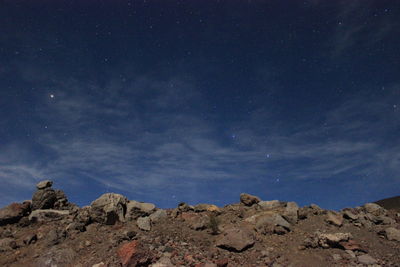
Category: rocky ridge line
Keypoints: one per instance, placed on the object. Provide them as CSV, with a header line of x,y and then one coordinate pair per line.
x,y
115,231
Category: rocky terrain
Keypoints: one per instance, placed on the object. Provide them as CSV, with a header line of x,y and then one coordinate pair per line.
x,y
114,231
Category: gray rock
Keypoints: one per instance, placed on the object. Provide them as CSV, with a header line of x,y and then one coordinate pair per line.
x,y
374,209
76,227
366,259
347,214
83,215
30,238
55,237
56,256
47,215
14,212
269,219
236,239
44,184
44,199
135,209
108,208
144,223
332,240
291,212
392,233
157,216
268,205
334,218
248,199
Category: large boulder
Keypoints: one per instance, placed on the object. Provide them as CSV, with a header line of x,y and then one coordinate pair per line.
x,y
248,199
134,254
291,213
392,233
236,239
144,223
266,221
44,199
135,209
14,212
268,205
109,208
48,215
374,209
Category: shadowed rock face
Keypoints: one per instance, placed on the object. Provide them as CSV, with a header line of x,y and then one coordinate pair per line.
x,y
115,231
44,199
14,212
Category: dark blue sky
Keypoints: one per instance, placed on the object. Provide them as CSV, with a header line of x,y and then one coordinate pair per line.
x,y
198,101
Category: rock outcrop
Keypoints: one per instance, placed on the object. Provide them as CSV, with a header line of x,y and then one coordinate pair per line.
x,y
115,231
109,208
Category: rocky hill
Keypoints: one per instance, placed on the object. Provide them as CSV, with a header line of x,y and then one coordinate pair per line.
x,y
392,203
115,231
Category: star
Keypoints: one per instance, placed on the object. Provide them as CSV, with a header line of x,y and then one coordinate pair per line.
x,y
51,96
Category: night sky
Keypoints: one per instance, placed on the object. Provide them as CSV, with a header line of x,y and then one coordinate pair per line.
x,y
199,101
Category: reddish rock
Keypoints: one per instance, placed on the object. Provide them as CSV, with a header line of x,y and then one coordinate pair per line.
x,y
14,212
222,262
352,245
133,254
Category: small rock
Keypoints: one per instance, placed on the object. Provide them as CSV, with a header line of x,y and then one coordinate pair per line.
x,y
268,205
336,257
392,233
54,237
236,239
206,207
76,226
374,209
195,221
163,262
144,223
366,259
347,214
29,239
101,264
334,219
332,240
248,199
351,254
222,262
44,184
158,216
